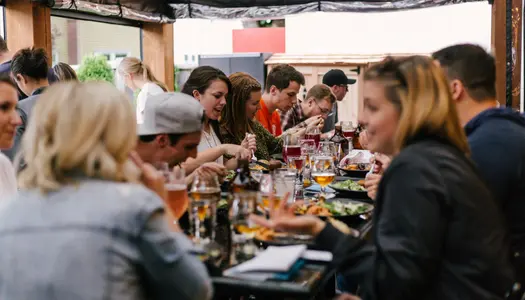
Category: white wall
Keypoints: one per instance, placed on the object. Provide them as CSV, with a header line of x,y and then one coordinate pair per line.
x,y
411,31
196,36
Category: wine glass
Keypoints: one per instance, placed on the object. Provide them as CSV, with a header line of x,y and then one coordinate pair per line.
x,y
308,149
314,134
291,146
348,129
328,149
242,228
323,171
266,189
205,194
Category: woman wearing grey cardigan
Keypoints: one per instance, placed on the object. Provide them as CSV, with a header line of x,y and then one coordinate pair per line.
x,y
83,225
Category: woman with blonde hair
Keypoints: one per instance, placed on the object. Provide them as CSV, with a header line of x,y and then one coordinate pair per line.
x,y
83,226
137,75
437,233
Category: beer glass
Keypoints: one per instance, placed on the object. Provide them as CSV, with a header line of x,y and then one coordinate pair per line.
x,y
176,189
243,229
205,194
323,171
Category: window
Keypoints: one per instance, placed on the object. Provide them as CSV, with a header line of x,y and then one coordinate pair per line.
x,y
72,40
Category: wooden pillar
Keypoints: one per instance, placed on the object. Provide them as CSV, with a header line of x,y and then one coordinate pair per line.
x,y
507,87
499,48
517,57
28,24
157,44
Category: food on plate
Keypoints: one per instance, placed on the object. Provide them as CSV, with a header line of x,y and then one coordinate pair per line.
x,y
349,185
257,167
357,167
334,208
230,176
265,234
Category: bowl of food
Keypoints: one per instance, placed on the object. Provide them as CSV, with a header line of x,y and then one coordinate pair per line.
x,y
355,169
353,188
347,211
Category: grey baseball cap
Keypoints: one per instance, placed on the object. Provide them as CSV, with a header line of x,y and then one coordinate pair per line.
x,y
171,113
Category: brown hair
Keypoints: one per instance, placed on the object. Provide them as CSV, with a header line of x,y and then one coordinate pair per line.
x,y
234,119
281,75
321,92
133,65
421,93
473,66
64,72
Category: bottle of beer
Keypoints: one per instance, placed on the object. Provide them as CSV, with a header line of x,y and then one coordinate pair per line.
x,y
342,145
355,140
243,181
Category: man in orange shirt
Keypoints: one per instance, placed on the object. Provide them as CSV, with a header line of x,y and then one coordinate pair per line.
x,y
281,89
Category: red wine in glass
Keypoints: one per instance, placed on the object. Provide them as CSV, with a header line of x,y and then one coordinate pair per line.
x,y
349,133
291,150
314,136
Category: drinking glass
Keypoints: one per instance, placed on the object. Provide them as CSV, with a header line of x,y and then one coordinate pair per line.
x,y
291,147
266,189
328,149
314,134
243,229
348,129
176,188
308,149
205,194
284,181
323,171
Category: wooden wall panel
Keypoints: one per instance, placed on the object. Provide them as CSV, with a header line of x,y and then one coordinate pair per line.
x,y
157,44
28,25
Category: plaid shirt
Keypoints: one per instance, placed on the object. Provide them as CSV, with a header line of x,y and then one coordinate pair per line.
x,y
293,117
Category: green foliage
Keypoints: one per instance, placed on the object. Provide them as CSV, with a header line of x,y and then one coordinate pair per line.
x,y
176,78
95,68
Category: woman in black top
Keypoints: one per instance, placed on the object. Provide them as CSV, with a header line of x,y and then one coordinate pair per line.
x,y
437,232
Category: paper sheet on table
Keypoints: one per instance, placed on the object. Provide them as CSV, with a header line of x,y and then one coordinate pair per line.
x,y
272,260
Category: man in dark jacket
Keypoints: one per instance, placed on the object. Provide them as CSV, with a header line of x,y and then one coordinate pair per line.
x,y
29,68
496,136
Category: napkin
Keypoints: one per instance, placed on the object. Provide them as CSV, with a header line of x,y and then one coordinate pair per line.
x,y
356,157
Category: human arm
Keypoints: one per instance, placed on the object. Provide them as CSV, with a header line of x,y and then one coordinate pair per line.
x,y
410,230
171,270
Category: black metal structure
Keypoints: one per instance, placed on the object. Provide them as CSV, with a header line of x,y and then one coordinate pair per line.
x,y
166,11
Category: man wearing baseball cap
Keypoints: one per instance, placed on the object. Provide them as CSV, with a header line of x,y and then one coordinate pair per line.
x,y
338,82
171,131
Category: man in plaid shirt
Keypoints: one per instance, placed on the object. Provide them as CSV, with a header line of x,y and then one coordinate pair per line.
x,y
316,108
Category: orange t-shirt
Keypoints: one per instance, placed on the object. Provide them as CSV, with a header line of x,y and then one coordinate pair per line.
x,y
272,122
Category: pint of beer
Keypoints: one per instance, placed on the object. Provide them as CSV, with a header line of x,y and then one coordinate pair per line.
x,y
177,199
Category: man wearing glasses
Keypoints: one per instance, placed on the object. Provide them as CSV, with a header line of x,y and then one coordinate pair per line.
x,y
316,108
337,81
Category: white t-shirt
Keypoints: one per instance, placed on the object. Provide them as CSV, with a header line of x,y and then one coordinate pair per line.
x,y
208,141
8,185
148,90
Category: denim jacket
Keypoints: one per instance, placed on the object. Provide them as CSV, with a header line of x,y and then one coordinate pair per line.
x,y
95,240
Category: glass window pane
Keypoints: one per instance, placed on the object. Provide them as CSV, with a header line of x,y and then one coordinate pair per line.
x,y
72,40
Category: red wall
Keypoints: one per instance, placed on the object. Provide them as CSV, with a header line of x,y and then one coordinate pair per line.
x,y
259,40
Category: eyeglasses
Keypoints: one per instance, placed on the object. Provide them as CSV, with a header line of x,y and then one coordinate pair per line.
x,y
324,111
